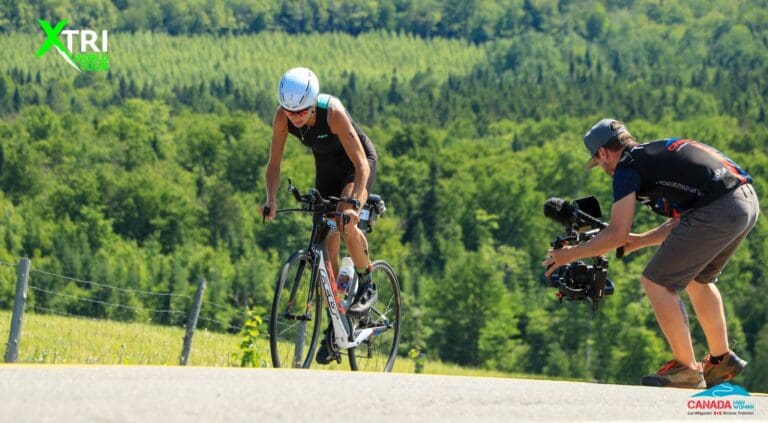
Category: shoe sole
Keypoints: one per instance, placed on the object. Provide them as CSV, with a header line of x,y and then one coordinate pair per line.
x,y
655,384
358,312
651,382
323,359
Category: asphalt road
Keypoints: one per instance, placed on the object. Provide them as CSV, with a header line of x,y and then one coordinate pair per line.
x,y
191,394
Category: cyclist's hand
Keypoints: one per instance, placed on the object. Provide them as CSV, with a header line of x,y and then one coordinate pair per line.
x,y
352,218
269,211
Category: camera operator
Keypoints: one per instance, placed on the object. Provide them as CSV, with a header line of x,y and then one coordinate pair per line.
x,y
712,205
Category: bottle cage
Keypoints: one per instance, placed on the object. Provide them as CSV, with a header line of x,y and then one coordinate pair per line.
x,y
369,213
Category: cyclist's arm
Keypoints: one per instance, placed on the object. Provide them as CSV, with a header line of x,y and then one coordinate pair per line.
x,y
341,125
279,135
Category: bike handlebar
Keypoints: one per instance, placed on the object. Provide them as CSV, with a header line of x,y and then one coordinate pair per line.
x,y
292,189
314,202
329,202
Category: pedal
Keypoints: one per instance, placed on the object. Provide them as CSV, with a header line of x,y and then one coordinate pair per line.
x,y
365,321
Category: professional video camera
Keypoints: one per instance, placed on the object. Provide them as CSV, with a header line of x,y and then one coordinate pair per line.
x,y
579,281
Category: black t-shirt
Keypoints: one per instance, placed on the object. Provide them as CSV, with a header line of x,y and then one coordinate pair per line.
x,y
675,175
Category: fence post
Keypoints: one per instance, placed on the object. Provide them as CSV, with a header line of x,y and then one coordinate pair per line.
x,y
19,302
194,313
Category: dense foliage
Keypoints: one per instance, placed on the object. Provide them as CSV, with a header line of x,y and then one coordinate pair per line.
x,y
151,175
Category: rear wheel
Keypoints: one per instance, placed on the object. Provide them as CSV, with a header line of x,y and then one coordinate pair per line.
x,y
294,322
379,351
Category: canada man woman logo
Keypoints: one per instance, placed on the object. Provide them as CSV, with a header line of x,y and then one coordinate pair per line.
x,y
721,400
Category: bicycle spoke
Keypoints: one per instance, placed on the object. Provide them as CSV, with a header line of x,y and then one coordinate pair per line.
x,y
286,329
383,314
379,351
295,317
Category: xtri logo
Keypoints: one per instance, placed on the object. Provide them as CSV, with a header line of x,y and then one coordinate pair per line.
x,y
92,47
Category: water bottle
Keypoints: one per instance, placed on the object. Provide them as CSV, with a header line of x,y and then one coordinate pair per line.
x,y
346,273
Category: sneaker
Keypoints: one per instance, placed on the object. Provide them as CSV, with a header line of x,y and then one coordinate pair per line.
x,y
365,298
728,368
327,353
675,375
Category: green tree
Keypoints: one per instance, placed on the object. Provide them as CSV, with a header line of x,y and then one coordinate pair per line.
x,y
468,296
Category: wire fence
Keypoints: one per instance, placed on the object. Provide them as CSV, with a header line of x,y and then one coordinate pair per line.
x,y
71,320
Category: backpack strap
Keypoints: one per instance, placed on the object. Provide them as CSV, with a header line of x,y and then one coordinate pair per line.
x,y
322,101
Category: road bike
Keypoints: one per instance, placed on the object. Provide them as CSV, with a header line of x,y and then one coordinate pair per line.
x,y
306,285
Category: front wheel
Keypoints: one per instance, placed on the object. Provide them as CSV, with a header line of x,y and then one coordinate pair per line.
x,y
294,322
379,351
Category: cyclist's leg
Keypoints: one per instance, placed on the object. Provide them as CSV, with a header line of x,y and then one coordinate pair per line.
x,y
334,244
330,182
354,238
357,244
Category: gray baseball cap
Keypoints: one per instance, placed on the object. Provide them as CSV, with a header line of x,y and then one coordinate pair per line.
x,y
600,135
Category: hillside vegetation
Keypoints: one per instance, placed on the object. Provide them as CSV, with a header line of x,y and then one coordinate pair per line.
x,y
151,175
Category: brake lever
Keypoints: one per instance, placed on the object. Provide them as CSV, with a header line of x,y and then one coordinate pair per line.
x,y
293,190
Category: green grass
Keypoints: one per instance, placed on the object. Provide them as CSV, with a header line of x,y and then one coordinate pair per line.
x,y
53,339
69,340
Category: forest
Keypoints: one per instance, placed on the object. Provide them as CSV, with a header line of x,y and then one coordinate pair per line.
x,y
151,174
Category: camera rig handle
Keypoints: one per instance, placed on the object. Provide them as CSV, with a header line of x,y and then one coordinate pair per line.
x,y
577,221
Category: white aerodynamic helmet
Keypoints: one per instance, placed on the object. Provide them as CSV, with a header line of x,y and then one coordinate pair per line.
x,y
298,89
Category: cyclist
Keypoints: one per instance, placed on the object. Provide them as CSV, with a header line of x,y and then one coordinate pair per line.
x,y
712,205
345,167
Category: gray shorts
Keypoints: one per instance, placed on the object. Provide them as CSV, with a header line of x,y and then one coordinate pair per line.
x,y
699,247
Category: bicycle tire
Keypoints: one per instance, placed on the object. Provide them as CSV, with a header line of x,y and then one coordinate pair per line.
x,y
292,342
378,353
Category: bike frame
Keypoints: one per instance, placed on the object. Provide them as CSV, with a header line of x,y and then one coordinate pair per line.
x,y
322,229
